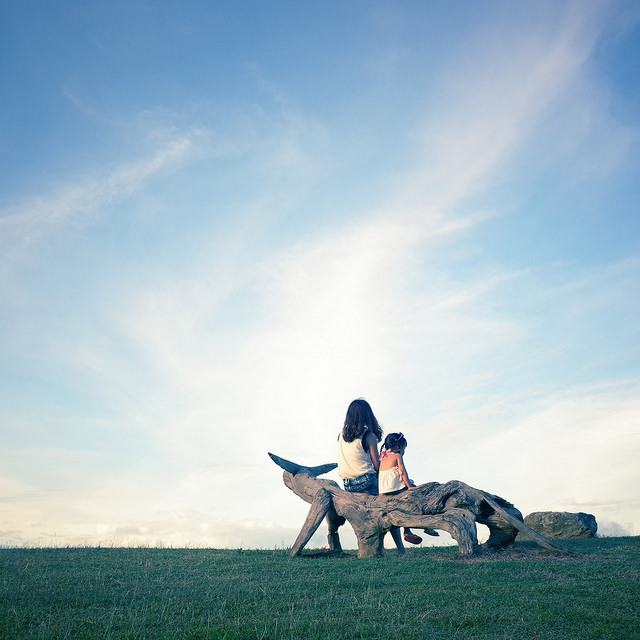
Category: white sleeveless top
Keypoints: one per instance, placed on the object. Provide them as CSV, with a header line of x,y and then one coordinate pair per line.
x,y
353,460
389,480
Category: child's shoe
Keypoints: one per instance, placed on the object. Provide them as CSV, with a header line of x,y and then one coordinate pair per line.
x,y
431,532
412,538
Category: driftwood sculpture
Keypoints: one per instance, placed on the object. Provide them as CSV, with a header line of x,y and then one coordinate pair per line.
x,y
454,507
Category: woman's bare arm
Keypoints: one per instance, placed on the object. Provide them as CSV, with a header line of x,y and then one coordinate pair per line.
x,y
372,447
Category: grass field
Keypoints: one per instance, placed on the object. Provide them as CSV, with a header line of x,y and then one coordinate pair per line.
x,y
431,593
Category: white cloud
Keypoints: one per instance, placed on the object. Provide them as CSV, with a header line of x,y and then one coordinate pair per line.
x,y
94,192
25,225
493,100
574,451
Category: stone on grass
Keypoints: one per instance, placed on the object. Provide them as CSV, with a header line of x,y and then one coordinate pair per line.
x,y
562,525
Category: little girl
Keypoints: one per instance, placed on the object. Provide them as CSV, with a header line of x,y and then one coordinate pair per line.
x,y
393,477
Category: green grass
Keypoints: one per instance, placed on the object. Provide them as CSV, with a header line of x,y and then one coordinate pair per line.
x,y
524,593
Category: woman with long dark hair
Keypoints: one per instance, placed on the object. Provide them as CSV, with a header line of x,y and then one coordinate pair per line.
x,y
358,460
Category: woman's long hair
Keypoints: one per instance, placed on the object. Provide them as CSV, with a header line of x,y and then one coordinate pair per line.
x,y
359,416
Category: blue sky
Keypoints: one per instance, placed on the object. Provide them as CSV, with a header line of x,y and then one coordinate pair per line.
x,y
221,222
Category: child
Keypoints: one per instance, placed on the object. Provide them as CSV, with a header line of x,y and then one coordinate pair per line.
x,y
393,477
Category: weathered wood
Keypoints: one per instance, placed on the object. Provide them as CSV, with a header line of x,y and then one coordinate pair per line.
x,y
501,533
319,509
334,522
454,507
524,529
459,523
294,467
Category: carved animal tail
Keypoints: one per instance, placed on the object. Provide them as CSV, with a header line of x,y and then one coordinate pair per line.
x,y
294,468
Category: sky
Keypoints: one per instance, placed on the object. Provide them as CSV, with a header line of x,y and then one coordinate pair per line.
x,y
222,222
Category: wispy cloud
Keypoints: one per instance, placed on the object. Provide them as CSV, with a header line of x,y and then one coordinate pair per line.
x,y
495,97
572,447
21,227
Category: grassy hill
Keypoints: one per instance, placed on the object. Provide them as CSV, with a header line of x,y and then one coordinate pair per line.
x,y
431,593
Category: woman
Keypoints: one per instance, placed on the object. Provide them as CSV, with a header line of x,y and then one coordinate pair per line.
x,y
358,460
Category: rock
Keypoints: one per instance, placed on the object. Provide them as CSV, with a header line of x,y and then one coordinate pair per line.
x,y
561,525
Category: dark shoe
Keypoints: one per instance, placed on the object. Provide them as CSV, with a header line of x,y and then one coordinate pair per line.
x,y
412,538
431,532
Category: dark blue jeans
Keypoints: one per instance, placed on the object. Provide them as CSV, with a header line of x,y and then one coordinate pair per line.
x,y
368,483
